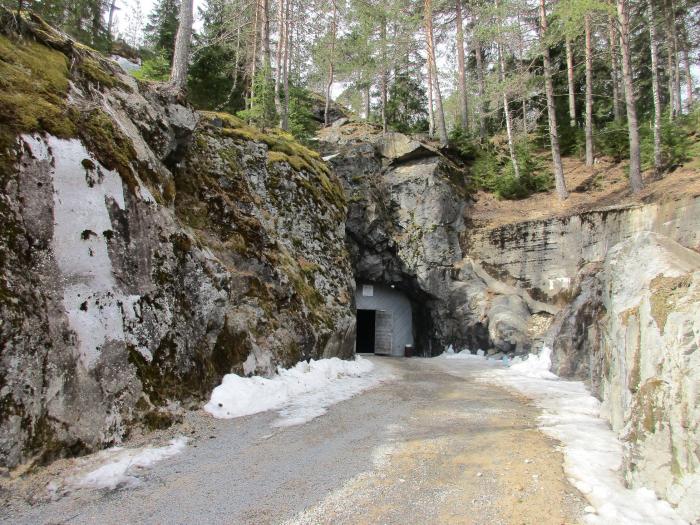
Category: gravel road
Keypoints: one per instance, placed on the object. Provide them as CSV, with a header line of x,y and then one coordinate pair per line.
x,y
432,446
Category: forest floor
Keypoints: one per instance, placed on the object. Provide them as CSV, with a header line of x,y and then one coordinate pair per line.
x,y
434,445
601,186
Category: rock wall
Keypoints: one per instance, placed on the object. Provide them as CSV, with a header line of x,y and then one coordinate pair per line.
x,y
636,340
146,251
406,213
614,292
545,256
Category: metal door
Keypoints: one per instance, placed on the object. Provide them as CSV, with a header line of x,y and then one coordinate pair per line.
x,y
383,332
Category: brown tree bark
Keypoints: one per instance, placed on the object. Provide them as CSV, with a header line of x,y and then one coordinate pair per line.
x,y
462,86
181,57
570,81
654,51
428,14
589,92
635,173
551,110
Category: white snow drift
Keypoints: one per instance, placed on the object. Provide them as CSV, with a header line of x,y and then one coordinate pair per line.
x,y
121,464
301,393
592,452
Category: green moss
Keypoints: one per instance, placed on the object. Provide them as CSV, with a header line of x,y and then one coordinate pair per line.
x,y
93,72
33,88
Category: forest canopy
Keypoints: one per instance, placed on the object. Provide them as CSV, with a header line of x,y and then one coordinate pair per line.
x,y
497,80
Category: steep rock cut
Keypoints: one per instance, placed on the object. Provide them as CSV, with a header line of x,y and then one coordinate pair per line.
x,y
409,214
406,207
147,250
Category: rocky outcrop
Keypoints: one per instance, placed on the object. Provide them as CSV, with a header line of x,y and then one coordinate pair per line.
x,y
409,209
406,213
147,250
544,256
633,332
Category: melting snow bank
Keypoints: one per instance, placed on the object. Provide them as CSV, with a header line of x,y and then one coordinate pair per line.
x,y
592,452
119,466
301,393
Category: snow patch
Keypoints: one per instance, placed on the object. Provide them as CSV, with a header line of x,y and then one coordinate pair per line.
x,y
121,465
592,452
300,393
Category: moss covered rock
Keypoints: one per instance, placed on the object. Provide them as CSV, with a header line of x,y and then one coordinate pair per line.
x,y
147,250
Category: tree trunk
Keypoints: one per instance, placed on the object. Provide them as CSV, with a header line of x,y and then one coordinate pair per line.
x,y
331,63
368,102
506,111
676,65
570,78
442,129
589,93
278,58
635,173
254,58
384,80
686,67
614,71
288,30
267,57
463,108
523,101
688,80
431,113
670,59
481,89
654,50
181,57
551,110
110,19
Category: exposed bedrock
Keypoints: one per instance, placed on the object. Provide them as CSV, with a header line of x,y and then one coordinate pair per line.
x,y
147,251
633,332
614,292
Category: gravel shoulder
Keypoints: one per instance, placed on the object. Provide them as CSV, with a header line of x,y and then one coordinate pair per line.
x,y
432,446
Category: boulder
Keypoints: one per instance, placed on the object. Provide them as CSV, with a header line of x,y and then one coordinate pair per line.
x,y
508,323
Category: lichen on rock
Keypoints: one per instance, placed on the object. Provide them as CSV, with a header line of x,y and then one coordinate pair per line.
x,y
146,251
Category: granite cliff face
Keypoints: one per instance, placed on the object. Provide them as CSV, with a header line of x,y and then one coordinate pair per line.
x,y
147,250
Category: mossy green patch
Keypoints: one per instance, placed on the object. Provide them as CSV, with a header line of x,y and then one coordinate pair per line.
x,y
92,71
33,88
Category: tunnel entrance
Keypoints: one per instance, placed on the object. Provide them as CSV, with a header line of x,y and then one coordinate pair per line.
x,y
365,331
384,320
